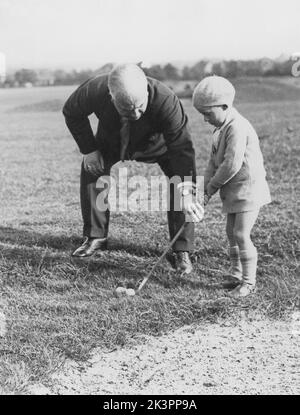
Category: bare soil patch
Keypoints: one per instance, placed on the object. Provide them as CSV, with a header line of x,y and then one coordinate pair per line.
x,y
255,358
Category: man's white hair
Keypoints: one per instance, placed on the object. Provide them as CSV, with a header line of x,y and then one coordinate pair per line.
x,y
127,83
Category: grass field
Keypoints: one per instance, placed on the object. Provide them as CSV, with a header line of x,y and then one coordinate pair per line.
x,y
56,307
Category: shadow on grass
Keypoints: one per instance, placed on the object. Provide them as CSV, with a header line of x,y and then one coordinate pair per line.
x,y
119,268
194,283
68,244
20,248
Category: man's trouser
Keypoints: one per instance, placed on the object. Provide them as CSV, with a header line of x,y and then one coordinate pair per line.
x,y
96,221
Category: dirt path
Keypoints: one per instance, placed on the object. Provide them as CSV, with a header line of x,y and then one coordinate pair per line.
x,y
251,358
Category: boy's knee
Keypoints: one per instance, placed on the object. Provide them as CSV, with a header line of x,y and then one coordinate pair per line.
x,y
240,236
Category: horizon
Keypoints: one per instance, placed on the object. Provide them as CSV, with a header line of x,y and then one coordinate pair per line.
x,y
132,31
177,63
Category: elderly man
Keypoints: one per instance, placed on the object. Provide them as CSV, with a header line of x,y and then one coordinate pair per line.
x,y
139,119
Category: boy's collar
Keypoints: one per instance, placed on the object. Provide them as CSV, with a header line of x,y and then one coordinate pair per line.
x,y
229,117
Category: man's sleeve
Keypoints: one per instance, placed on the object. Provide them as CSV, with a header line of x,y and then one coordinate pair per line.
x,y
76,111
174,125
236,142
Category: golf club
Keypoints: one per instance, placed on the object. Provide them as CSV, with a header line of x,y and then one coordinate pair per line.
x,y
130,291
160,258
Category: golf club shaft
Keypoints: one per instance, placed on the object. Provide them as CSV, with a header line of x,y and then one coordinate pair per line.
x,y
162,256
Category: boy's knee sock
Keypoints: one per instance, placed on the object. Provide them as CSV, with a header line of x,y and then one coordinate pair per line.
x,y
236,266
249,263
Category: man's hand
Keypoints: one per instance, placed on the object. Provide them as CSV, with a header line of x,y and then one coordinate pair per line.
x,y
194,212
93,163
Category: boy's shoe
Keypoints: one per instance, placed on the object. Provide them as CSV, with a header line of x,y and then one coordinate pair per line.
x,y
183,262
90,246
242,290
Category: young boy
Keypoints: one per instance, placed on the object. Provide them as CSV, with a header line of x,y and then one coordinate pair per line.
x,y
235,168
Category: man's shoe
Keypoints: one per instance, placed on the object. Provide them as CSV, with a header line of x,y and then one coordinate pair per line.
x,y
183,262
242,290
90,246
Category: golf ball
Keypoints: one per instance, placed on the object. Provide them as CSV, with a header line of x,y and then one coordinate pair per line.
x,y
121,290
130,292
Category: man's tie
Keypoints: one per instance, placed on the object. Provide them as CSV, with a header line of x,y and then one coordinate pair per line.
x,y
124,133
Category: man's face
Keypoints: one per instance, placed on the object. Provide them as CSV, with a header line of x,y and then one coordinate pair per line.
x,y
133,109
214,115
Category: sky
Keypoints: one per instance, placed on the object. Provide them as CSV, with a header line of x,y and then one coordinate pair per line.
x,y
83,34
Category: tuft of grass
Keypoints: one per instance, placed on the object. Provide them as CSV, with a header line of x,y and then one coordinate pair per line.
x,y
57,307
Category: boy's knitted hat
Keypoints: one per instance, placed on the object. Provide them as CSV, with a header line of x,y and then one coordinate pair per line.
x,y
213,90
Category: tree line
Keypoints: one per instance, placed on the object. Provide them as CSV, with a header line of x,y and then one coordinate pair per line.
x,y
195,72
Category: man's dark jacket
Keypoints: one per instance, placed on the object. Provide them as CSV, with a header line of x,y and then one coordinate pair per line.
x,y
162,129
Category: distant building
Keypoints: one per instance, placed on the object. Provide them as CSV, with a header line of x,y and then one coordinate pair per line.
x,y
45,78
295,56
208,69
2,67
266,65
